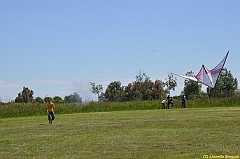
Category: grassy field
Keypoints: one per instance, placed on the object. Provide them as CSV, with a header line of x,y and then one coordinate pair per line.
x,y
174,133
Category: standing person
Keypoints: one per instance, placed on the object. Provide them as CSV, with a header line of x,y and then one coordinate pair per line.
x,y
163,103
170,101
184,101
50,110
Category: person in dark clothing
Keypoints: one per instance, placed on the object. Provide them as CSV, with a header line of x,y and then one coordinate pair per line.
x,y
170,101
183,101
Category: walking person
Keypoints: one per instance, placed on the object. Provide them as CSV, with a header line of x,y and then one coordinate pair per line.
x,y
50,110
184,101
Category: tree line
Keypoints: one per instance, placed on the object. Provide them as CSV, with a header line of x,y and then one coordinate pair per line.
x,y
143,88
226,86
26,96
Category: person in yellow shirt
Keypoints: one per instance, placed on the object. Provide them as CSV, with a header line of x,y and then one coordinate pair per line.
x,y
50,111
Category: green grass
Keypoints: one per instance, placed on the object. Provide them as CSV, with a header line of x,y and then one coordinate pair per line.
x,y
173,133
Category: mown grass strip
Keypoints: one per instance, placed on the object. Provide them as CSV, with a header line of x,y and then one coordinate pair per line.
x,y
174,133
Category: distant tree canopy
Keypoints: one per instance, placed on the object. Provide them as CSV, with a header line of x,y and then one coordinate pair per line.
x,y
58,99
96,89
171,82
191,88
46,99
141,89
25,96
73,98
114,92
226,85
39,100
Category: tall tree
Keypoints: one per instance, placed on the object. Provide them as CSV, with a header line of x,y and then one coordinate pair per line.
x,y
46,99
114,92
141,86
144,88
96,89
39,100
73,98
191,88
129,92
226,85
171,82
58,99
158,90
25,96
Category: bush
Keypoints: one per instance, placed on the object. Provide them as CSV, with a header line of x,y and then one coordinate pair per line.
x,y
32,109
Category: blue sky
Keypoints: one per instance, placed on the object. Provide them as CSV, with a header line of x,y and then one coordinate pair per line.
x,y
58,47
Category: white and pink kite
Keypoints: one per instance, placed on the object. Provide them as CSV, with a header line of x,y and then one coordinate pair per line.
x,y
208,77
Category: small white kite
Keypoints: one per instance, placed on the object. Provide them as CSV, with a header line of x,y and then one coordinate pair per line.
x,y
208,77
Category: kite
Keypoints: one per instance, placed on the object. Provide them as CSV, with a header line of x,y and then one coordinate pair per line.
x,y
208,77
